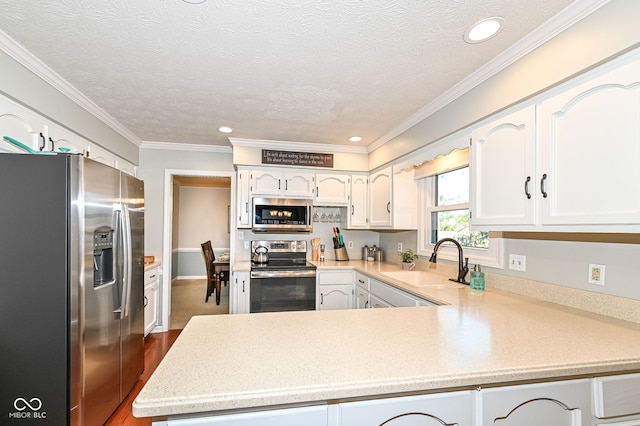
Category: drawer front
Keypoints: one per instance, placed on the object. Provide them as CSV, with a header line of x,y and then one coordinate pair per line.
x,y
341,277
391,295
362,280
616,395
150,275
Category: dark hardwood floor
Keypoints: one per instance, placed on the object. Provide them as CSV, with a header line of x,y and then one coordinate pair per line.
x,y
156,346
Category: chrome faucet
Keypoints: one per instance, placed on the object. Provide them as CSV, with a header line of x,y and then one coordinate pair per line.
x,y
463,268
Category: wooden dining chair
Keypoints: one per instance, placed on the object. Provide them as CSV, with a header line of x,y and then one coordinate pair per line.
x,y
209,257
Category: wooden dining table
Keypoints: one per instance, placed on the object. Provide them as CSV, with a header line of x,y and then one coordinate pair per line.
x,y
221,273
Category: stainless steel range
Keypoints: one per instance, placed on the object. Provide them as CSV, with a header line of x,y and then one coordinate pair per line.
x,y
282,280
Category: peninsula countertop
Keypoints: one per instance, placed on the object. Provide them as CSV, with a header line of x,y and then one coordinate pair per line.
x,y
480,338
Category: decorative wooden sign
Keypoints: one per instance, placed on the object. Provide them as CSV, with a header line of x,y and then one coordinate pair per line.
x,y
291,158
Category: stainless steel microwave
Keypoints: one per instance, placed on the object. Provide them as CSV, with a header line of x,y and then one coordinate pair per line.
x,y
281,215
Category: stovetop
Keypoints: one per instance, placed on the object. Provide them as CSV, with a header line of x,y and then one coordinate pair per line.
x,y
283,255
283,265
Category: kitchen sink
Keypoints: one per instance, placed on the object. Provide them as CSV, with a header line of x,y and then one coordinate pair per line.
x,y
422,279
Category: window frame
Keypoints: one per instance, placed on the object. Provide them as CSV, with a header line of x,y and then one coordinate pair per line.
x,y
491,257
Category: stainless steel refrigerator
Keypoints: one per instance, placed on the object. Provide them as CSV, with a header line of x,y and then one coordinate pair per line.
x,y
71,289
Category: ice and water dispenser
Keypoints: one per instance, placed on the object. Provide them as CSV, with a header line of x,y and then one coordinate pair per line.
x,y
103,268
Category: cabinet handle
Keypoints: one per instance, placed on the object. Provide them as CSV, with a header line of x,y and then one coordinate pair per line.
x,y
44,142
243,286
351,210
321,298
544,178
389,207
279,184
361,281
526,187
152,276
366,304
246,207
317,191
146,301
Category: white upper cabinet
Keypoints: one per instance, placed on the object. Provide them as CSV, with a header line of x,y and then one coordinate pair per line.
x,y
359,202
243,199
393,198
276,183
380,198
570,163
590,150
332,189
502,170
22,125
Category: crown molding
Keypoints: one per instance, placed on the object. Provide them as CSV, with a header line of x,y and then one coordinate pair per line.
x,y
36,66
298,146
175,146
558,23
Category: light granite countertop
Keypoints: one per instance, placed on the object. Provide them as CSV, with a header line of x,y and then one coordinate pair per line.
x,y
478,338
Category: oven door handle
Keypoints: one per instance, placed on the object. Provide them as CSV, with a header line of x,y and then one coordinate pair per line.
x,y
282,274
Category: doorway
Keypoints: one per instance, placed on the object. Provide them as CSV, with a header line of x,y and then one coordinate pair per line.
x,y
198,207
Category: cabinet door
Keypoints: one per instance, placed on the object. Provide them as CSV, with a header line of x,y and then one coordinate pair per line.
x,y
239,295
22,125
502,167
380,198
404,207
332,190
299,184
307,416
362,298
359,205
557,403
376,302
452,408
243,199
590,150
59,137
267,182
336,296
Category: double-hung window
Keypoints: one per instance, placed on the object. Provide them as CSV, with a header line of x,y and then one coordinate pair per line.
x,y
444,188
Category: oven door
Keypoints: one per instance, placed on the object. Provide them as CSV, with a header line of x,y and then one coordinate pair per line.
x,y
277,291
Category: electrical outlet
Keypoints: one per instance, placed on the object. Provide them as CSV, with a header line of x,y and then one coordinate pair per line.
x,y
596,274
350,244
241,235
246,245
518,262
399,247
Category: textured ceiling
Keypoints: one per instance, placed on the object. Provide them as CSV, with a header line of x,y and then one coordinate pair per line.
x,y
287,70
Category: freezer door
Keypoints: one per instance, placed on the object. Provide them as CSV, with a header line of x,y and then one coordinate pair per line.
x,y
132,323
100,293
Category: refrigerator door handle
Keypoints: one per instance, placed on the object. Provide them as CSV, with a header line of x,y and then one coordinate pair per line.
x,y
128,253
118,273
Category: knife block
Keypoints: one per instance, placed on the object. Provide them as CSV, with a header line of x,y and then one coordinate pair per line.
x,y
341,253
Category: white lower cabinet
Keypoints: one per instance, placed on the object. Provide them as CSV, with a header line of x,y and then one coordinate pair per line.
x,y
307,416
362,298
335,290
616,397
453,408
151,284
239,293
566,403
377,303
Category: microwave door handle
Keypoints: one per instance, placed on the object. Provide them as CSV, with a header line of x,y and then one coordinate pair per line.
x,y
308,215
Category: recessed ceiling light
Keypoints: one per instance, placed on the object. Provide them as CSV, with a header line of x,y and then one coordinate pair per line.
x,y
354,139
483,30
225,129
194,1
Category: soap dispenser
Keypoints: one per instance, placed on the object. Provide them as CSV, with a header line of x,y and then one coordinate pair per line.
x,y
477,278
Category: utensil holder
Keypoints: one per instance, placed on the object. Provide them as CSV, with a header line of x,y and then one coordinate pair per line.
x,y
341,254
